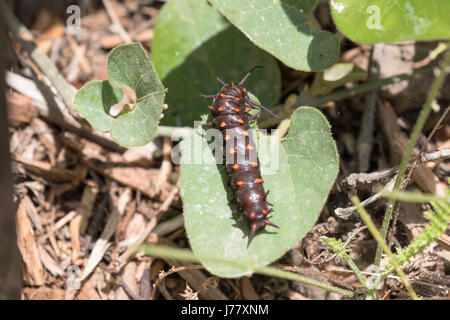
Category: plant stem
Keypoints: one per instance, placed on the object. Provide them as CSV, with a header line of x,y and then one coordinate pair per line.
x,y
268,271
340,249
267,121
426,109
187,255
373,230
413,196
174,132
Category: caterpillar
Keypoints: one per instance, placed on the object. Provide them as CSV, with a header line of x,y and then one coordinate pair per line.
x,y
229,111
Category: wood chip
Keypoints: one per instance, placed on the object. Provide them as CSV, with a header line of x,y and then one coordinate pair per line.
x,y
422,175
50,264
46,170
248,292
103,244
33,270
20,110
89,289
32,213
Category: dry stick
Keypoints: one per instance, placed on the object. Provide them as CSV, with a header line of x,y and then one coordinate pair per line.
x,y
172,271
407,179
440,72
116,22
422,150
267,120
345,213
102,244
368,178
149,227
128,290
364,143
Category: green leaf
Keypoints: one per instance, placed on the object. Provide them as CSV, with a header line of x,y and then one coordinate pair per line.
x,y
374,21
334,77
194,44
128,66
307,166
286,29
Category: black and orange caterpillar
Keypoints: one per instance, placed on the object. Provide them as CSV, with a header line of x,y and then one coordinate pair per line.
x,y
230,109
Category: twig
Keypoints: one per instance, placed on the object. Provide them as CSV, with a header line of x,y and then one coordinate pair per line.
x,y
144,234
441,72
102,244
267,121
168,226
58,225
365,138
273,272
128,290
345,213
116,22
368,178
172,271
422,150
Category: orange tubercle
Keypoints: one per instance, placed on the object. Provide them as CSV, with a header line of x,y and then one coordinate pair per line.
x,y
240,183
258,180
235,166
249,147
222,124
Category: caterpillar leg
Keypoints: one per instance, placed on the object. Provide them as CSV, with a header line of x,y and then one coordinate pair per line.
x,y
207,124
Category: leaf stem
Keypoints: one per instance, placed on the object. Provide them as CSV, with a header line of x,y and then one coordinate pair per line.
x,y
187,255
268,271
426,109
267,121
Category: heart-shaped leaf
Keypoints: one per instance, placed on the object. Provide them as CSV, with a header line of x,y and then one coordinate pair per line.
x,y
284,28
377,21
194,44
298,172
128,66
